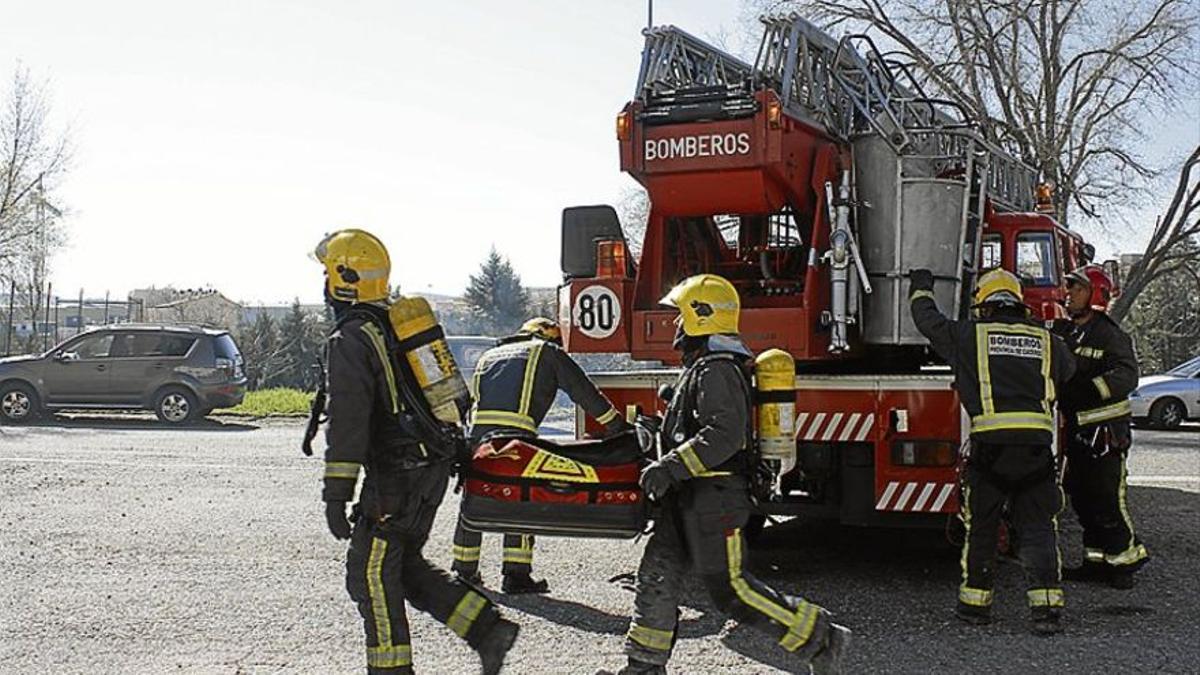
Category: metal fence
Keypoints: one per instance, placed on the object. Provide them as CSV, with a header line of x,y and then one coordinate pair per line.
x,y
35,323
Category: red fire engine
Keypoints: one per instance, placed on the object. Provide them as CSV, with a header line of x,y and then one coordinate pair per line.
x,y
813,180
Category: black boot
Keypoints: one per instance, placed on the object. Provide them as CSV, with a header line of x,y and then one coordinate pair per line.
x,y
1045,621
973,614
1090,571
523,583
495,645
470,578
635,667
831,659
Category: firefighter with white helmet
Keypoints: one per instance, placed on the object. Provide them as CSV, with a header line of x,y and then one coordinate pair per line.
x,y
1095,403
1006,370
702,486
382,427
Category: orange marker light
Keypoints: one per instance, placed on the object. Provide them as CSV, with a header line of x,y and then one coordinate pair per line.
x,y
623,126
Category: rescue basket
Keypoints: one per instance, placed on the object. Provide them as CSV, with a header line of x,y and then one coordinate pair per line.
x,y
572,489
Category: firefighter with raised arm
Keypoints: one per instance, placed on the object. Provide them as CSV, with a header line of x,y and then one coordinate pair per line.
x,y
1095,404
514,386
702,486
1006,369
377,428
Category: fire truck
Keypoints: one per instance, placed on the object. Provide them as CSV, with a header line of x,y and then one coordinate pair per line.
x,y
813,180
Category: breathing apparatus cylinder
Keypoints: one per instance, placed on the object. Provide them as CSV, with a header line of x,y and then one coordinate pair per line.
x,y
423,345
775,395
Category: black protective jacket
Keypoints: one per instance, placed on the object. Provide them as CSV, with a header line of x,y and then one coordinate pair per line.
x,y
372,426
1107,371
1006,370
516,383
706,428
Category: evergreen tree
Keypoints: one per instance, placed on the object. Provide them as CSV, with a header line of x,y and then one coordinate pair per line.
x,y
496,296
301,337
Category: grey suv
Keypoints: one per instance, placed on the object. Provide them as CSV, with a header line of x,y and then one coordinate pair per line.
x,y
179,372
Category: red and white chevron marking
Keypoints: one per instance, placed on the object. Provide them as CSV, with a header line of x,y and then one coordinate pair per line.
x,y
839,427
929,497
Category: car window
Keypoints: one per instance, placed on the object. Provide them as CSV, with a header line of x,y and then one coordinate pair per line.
x,y
225,348
94,347
1035,258
1186,369
989,253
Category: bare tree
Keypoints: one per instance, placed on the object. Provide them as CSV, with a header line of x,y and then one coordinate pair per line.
x,y
633,209
1175,243
1072,87
33,159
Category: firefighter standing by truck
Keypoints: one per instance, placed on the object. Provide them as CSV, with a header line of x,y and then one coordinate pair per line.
x,y
514,386
1006,370
702,487
375,428
1095,403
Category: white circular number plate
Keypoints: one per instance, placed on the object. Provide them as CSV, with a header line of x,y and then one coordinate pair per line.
x,y
597,312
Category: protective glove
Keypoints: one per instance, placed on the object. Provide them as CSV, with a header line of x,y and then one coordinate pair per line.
x,y
617,427
335,518
656,480
920,280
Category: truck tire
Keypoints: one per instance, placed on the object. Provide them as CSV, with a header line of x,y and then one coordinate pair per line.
x,y
18,403
176,406
1167,413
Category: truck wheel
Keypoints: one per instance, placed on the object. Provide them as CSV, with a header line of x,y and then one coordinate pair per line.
x,y
18,403
176,406
1167,413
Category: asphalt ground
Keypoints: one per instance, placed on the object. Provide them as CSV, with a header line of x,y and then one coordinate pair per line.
x,y
130,548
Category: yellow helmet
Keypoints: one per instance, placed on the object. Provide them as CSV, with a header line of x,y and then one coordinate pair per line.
x,y
356,266
541,328
708,305
998,286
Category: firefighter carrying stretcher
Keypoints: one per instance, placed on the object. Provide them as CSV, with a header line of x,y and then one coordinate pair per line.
x,y
1006,370
514,386
701,483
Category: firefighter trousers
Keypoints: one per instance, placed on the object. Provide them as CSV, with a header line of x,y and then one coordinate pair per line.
x,y
1097,488
700,530
518,552
1021,477
385,568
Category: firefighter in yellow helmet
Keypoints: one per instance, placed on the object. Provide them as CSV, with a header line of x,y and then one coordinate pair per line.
x,y
702,486
515,384
1006,371
376,429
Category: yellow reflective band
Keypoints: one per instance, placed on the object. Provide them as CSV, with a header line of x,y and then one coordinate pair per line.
x,y
522,553
379,608
1093,555
347,470
608,416
466,553
966,520
976,597
690,460
465,613
921,294
1012,420
376,338
395,656
1090,352
531,364
504,418
1129,556
652,638
985,373
752,598
1108,412
1102,387
1045,597
802,627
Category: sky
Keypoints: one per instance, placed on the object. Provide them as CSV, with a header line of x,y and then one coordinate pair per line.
x,y
217,142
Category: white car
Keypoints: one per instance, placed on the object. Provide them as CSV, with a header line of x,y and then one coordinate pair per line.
x,y
1166,401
